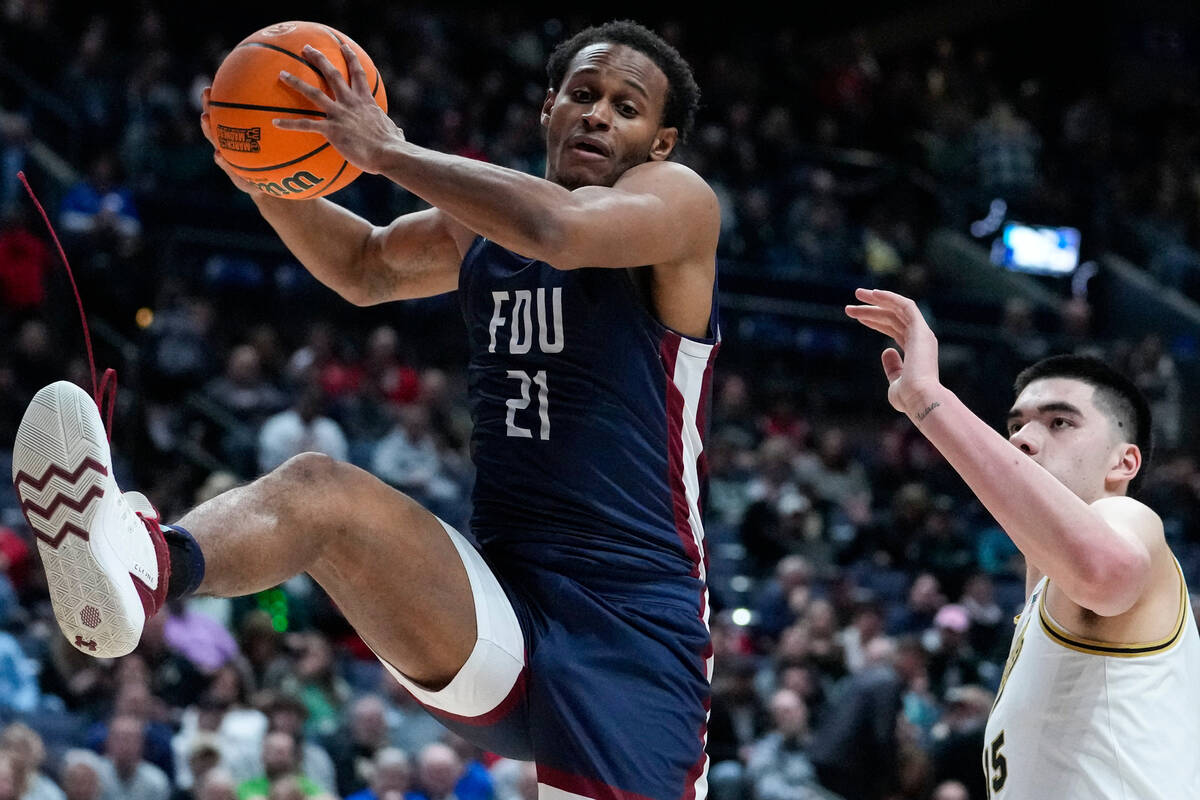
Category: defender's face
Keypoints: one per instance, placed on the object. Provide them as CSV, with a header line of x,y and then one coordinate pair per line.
x,y
1055,422
605,117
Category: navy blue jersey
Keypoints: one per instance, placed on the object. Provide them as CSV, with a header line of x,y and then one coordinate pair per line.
x,y
588,422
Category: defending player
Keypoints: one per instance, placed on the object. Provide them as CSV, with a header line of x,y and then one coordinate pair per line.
x,y
1100,696
578,636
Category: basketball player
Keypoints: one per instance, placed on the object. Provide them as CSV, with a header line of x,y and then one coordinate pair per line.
x,y
1100,697
577,635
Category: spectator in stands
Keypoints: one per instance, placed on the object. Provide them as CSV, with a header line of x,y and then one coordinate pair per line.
x,y
784,595
410,726
203,755
925,598
26,747
382,362
218,784
135,701
1153,369
24,264
356,742
779,768
475,783
125,775
80,774
959,736
410,459
854,748
854,639
517,780
12,777
243,391
18,676
198,637
91,82
326,359
987,617
950,790
99,218
287,712
280,760
299,429
439,769
775,522
263,648
737,717
952,661
315,680
1007,150
390,777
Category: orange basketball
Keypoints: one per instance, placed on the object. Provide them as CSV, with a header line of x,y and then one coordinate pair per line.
x,y
247,94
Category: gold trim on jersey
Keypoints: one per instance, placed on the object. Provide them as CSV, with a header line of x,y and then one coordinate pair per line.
x,y
1114,649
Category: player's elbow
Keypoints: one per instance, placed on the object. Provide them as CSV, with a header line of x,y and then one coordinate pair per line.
x,y
554,239
1115,580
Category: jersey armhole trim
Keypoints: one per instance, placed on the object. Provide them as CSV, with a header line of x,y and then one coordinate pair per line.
x,y
1115,649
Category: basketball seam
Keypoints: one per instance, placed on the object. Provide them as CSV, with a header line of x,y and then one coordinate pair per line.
x,y
333,182
338,39
287,53
253,107
279,166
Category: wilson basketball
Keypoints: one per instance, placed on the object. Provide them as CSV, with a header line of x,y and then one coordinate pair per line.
x,y
247,94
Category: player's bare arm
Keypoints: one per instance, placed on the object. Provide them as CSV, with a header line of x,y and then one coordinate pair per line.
x,y
657,213
417,255
1105,557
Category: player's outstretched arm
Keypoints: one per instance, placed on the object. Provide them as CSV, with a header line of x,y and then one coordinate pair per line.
x,y
657,213
417,255
1099,554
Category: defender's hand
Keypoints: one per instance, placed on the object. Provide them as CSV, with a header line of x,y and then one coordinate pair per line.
x,y
206,126
354,123
913,377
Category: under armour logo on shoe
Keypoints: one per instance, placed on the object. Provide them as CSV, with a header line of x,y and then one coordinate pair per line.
x,y
79,642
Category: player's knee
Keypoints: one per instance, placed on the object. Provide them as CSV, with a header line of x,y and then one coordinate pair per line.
x,y
306,471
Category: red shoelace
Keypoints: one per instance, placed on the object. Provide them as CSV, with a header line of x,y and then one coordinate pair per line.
x,y
108,382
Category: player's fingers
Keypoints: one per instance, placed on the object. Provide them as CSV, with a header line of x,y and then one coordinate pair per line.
x,y
880,319
299,125
306,90
893,364
333,75
358,76
904,306
206,128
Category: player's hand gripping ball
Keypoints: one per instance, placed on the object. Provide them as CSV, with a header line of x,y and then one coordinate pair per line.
x,y
247,94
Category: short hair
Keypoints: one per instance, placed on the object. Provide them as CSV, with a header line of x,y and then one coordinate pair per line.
x,y
683,95
1116,396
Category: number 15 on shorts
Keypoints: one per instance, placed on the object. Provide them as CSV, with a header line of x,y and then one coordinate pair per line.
x,y
521,403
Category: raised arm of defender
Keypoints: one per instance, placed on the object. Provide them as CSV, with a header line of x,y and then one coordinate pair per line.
x,y
1102,555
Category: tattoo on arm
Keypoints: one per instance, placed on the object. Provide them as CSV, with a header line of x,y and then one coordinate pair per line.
x,y
927,411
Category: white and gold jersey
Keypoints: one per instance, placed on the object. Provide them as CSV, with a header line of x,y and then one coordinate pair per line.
x,y
1076,719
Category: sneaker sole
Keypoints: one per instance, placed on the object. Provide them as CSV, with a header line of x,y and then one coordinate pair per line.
x,y
62,472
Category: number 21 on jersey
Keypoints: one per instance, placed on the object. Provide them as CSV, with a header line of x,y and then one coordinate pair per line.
x,y
518,318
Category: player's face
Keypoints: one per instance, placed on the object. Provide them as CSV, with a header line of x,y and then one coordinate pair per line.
x,y
605,117
1055,422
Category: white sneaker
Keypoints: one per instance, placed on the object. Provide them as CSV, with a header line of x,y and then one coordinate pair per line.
x,y
104,553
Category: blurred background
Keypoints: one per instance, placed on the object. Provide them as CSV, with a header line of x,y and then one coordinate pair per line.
x,y
1031,176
